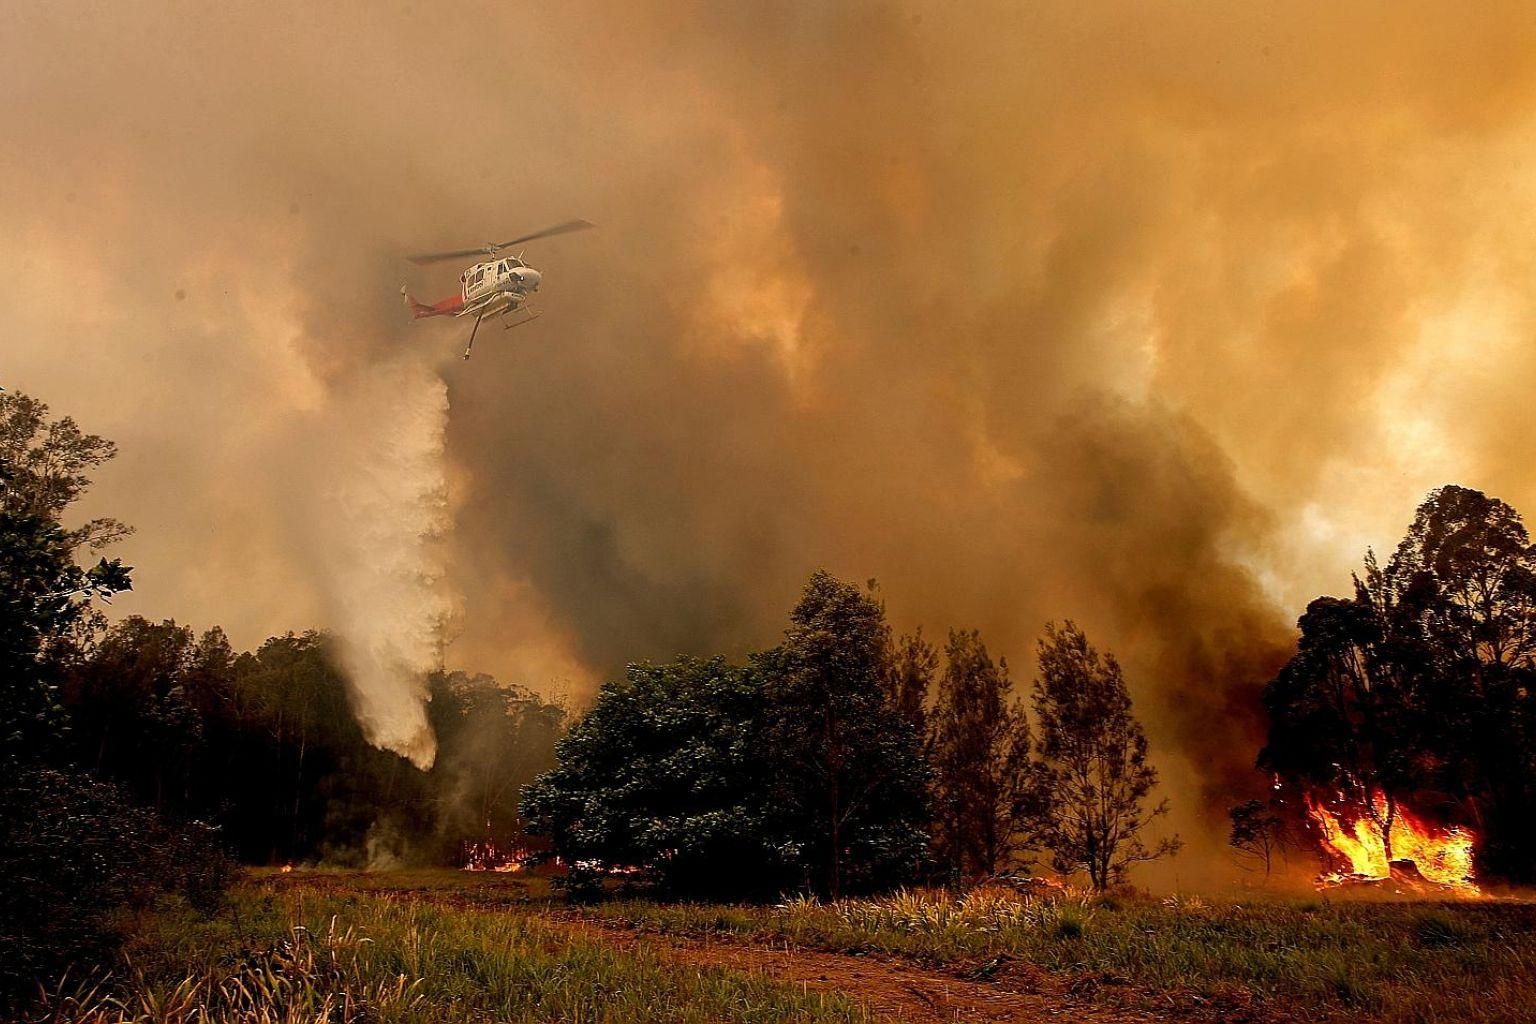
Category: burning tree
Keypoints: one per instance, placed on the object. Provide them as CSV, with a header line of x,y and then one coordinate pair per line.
x,y
1415,698
1343,710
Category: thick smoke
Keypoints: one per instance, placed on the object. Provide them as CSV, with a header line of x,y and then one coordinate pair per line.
x,y
1148,316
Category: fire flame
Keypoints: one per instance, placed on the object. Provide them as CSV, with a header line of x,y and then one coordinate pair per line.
x,y
487,856
1443,856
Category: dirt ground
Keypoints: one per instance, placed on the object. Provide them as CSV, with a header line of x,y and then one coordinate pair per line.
x,y
892,990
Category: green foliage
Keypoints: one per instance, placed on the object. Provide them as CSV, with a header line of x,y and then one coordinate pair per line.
x,y
711,779
73,850
1093,776
73,853
667,773
45,465
849,783
45,614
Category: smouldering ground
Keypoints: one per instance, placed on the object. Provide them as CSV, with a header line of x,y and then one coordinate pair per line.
x,y
448,946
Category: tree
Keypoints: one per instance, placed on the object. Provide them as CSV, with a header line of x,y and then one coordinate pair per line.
x,y
1257,833
850,782
1467,568
1093,775
45,612
909,679
710,779
1423,686
307,783
1466,574
72,852
130,713
47,465
980,749
668,775
1342,709
492,741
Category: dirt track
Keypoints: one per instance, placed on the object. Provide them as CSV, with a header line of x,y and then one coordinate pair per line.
x,y
892,990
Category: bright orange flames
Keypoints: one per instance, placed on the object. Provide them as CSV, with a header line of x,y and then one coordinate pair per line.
x,y
487,856
1443,856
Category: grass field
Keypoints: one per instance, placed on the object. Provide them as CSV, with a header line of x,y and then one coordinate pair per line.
x,y
324,950
1386,961
446,946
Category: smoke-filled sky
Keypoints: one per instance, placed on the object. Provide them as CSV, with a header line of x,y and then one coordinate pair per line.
x,y
1150,316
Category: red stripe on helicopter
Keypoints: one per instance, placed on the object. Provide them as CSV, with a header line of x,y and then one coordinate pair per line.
x,y
447,307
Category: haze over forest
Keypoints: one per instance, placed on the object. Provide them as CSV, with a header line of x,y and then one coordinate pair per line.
x,y
1155,322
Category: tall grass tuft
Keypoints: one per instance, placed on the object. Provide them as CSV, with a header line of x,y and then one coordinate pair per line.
x,y
332,959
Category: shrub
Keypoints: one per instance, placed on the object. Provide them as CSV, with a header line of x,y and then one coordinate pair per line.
x,y
73,854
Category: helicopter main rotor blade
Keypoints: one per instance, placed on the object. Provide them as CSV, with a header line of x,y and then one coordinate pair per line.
x,y
495,247
558,229
457,254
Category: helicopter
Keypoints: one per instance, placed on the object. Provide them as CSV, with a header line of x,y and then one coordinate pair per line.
x,y
493,288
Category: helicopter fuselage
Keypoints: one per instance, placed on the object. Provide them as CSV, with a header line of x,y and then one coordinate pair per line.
x,y
485,289
496,287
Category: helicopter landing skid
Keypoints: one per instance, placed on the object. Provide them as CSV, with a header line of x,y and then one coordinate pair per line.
x,y
518,323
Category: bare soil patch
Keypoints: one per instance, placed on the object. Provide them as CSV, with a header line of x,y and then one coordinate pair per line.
x,y
890,988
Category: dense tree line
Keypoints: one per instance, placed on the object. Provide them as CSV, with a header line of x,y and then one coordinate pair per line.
x,y
137,755
1419,689
73,849
265,745
843,761
134,758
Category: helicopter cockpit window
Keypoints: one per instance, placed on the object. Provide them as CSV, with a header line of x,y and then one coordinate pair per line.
x,y
479,276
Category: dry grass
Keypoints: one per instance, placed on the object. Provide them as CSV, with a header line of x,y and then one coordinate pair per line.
x,y
1403,963
328,956
435,947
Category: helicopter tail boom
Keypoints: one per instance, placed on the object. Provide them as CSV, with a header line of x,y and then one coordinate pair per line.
x,y
448,307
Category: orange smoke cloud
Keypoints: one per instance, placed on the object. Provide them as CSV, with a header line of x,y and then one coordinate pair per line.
x,y
1149,317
